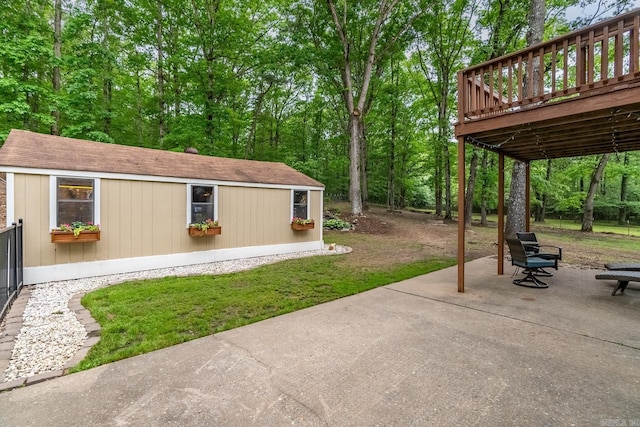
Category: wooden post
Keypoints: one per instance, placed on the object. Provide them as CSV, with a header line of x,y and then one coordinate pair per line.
x,y
461,202
527,197
500,213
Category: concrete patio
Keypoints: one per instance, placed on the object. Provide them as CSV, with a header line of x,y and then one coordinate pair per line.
x,y
412,353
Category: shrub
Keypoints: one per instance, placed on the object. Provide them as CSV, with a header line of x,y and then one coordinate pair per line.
x,y
336,224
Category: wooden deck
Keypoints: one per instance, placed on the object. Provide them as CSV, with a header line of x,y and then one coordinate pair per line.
x,y
587,100
575,95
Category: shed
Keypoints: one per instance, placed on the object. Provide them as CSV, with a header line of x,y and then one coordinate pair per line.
x,y
144,200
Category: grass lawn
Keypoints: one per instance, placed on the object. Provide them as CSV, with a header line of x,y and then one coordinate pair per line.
x,y
142,316
567,224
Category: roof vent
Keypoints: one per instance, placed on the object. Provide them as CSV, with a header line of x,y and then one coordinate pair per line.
x,y
191,150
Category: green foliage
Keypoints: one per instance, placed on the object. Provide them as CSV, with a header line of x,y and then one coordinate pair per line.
x,y
263,80
336,224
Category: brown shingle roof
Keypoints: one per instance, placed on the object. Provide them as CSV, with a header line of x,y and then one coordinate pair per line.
x,y
34,150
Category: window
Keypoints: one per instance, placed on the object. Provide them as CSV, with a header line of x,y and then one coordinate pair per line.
x,y
75,200
300,204
202,206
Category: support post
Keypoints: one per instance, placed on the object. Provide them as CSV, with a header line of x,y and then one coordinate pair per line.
x,y
527,197
500,213
461,203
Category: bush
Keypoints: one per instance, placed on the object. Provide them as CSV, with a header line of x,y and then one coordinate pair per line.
x,y
336,224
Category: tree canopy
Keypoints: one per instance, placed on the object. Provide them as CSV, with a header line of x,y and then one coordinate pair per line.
x,y
359,95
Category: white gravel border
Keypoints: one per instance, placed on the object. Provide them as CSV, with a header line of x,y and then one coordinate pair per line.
x,y
51,334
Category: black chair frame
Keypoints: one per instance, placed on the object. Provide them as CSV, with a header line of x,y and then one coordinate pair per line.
x,y
531,265
533,247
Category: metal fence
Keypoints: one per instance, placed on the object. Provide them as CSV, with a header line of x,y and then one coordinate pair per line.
x,y
11,266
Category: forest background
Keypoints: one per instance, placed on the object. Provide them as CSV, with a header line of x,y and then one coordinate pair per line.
x,y
347,92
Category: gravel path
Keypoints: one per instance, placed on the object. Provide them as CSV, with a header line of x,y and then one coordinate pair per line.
x,y
51,334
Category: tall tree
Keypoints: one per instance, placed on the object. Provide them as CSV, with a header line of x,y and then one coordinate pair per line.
x,y
624,185
57,52
517,206
596,176
366,32
25,65
503,21
442,43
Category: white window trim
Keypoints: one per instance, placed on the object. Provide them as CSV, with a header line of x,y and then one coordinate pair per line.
x,y
53,199
293,190
189,198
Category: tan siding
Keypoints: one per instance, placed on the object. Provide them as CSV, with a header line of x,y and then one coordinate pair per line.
x,y
180,241
105,247
257,225
316,214
255,216
125,247
145,219
148,218
28,206
136,214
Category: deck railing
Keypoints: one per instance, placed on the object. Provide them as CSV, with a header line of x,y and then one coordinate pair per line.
x,y
596,59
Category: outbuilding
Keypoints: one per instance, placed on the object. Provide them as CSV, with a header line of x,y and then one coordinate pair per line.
x,y
144,201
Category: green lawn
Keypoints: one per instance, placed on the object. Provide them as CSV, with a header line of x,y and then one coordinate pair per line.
x,y
566,224
598,226
142,316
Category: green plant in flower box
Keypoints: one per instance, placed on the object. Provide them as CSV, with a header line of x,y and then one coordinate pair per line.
x,y
78,226
302,221
204,225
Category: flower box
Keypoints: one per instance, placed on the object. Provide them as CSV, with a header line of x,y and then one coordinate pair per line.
x,y
210,231
69,237
299,227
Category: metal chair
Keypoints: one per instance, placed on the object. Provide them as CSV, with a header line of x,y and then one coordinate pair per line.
x,y
531,264
533,247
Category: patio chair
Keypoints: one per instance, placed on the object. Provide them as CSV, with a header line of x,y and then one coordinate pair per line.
x,y
622,277
626,266
623,273
533,247
531,264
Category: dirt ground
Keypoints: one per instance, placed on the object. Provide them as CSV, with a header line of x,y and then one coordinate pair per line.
x,y
382,237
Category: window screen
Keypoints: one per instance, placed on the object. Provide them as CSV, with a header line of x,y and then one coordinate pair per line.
x,y
75,200
201,203
300,204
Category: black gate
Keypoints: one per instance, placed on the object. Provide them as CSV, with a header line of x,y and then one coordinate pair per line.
x,y
10,266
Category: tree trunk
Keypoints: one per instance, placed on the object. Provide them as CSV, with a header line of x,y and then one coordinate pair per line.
x,y
355,193
447,182
516,215
139,110
437,177
364,168
484,192
516,219
444,129
541,209
471,183
107,86
587,219
160,75
391,188
545,196
357,110
622,210
249,148
57,52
